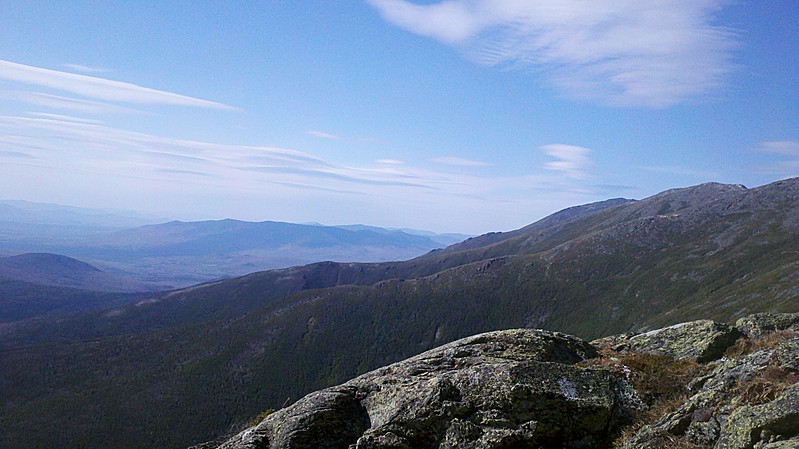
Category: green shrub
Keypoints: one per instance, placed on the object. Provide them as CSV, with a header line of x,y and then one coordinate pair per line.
x,y
260,417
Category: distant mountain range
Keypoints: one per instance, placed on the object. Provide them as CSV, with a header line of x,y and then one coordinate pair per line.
x,y
35,284
17,211
178,254
61,271
195,363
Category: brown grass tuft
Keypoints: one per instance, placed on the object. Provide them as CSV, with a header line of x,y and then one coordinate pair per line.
x,y
767,386
771,340
655,377
661,382
669,441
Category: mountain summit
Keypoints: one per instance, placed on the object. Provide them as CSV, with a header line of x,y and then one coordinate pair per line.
x,y
211,356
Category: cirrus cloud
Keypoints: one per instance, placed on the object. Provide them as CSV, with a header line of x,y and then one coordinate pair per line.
x,y
781,147
98,88
458,161
572,160
80,158
787,152
85,68
621,52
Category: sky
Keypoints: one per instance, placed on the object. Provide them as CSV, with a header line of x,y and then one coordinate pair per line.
x,y
466,116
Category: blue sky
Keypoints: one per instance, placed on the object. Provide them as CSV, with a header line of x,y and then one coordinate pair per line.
x,y
453,116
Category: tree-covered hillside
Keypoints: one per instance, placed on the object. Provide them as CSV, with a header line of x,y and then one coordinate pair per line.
x,y
194,364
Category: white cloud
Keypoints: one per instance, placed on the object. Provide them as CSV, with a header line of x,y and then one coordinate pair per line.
x,y
15,154
780,147
98,88
324,135
94,147
624,52
339,137
63,159
682,171
458,161
787,151
67,118
448,21
85,69
572,160
67,103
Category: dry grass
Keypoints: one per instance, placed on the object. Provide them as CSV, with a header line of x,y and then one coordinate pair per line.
x,y
661,382
769,341
767,386
649,416
669,441
770,383
656,378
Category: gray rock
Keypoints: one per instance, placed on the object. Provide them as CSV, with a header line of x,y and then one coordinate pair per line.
x,y
787,355
702,340
762,424
703,432
495,390
759,324
793,443
699,419
520,388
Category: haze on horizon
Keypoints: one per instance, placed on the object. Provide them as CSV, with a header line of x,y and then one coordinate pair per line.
x,y
451,116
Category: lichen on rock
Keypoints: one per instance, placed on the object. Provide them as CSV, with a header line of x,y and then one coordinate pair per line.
x,y
702,340
515,388
750,426
527,388
759,324
749,400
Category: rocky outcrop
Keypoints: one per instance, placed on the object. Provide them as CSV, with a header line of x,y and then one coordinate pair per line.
x,y
754,425
743,401
515,388
700,418
525,389
787,355
702,340
759,324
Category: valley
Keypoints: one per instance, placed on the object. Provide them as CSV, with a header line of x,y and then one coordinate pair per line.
x,y
176,254
193,364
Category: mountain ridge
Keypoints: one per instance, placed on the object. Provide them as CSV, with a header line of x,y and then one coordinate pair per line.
x,y
183,253
713,252
61,271
34,284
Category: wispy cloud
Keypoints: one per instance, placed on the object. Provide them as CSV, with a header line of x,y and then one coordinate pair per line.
x,y
572,161
98,88
177,171
67,103
85,69
339,137
788,148
682,171
458,161
324,135
15,154
788,153
621,52
81,158
94,146
68,118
